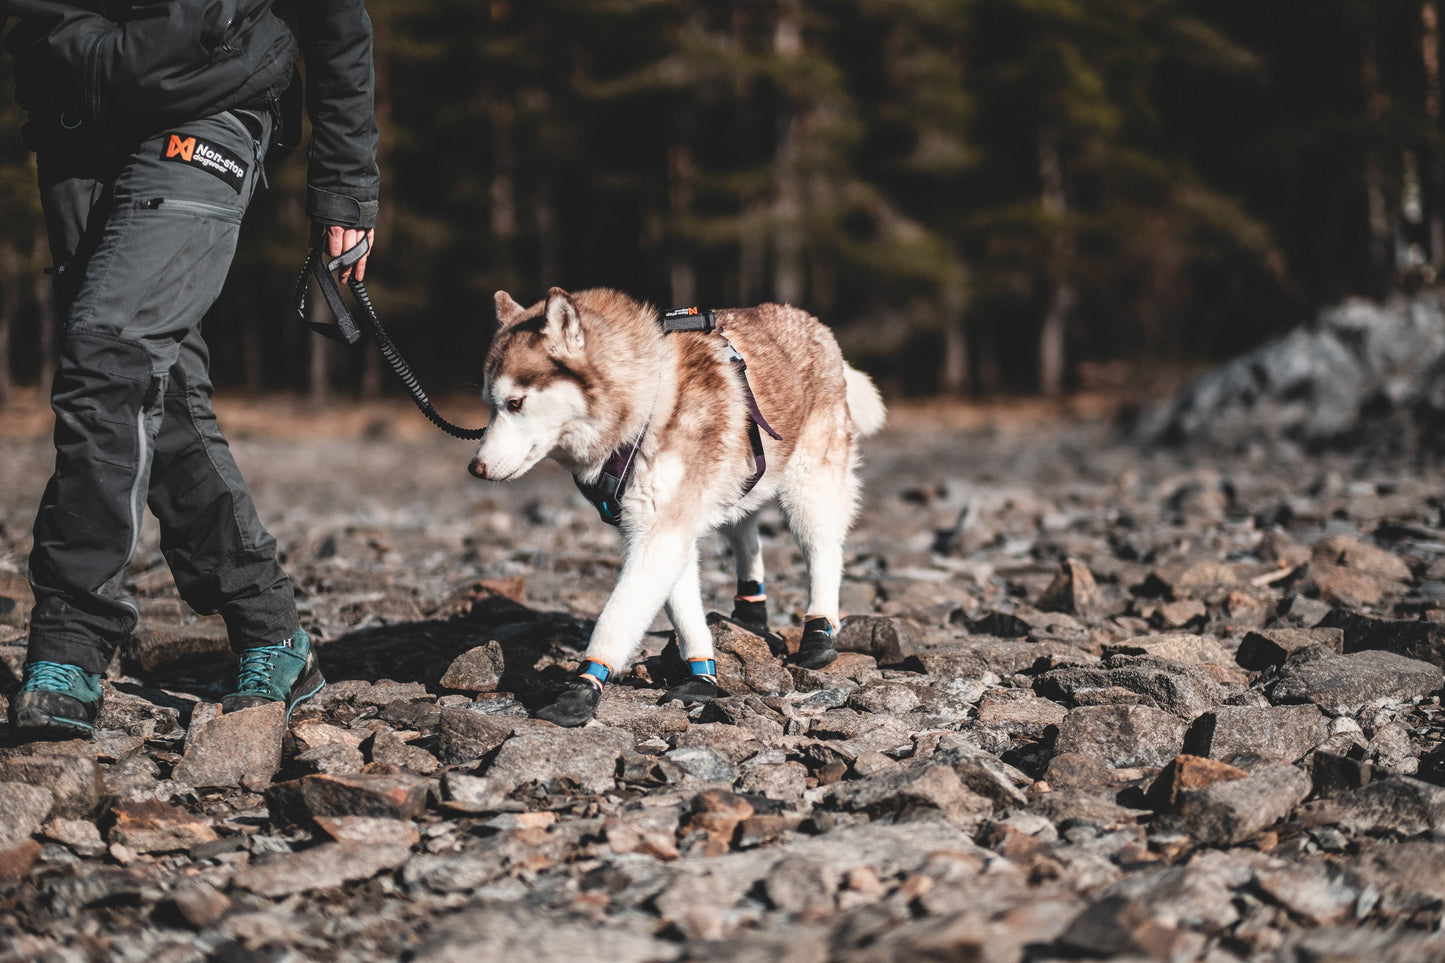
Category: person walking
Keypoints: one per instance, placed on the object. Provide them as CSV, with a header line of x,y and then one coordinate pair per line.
x,y
151,121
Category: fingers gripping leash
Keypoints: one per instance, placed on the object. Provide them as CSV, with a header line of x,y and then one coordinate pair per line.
x,y
345,329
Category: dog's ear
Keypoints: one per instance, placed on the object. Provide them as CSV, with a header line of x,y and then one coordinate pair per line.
x,y
564,325
508,311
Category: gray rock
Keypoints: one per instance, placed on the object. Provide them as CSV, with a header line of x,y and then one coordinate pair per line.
x,y
74,781
495,933
699,764
585,757
1122,736
1231,811
1073,591
399,795
1185,690
153,826
326,866
1395,805
26,808
1176,647
333,758
1345,683
234,748
1410,638
476,670
889,640
975,657
470,732
1286,731
1266,647
916,788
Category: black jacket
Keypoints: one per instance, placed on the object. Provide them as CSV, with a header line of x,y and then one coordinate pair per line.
x,y
124,69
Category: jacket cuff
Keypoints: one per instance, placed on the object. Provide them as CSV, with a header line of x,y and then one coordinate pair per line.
x,y
327,208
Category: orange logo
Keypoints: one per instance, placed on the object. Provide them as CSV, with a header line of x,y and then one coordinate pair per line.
x,y
183,147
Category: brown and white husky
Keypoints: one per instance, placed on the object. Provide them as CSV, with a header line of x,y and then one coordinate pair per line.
x,y
670,439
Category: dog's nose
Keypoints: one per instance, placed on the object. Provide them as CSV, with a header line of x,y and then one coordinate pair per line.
x,y
478,468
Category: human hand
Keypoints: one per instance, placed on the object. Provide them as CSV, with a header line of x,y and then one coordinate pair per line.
x,y
339,240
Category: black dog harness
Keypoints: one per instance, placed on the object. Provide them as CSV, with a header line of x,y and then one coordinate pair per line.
x,y
606,492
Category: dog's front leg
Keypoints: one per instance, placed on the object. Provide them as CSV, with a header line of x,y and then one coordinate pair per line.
x,y
652,562
685,611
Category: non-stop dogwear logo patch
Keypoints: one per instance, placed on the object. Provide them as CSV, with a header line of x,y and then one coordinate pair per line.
x,y
214,160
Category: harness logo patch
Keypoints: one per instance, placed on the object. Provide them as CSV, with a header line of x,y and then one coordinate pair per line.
x,y
214,160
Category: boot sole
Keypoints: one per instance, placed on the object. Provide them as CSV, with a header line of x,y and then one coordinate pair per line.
x,y
30,726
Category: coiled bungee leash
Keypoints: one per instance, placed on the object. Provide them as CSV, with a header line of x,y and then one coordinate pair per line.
x,y
344,328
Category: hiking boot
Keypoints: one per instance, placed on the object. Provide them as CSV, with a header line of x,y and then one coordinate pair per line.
x,y
816,649
57,701
287,671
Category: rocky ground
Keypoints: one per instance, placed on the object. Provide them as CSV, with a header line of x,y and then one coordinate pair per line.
x,y
1097,701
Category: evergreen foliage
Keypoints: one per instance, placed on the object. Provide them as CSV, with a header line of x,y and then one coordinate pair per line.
x,y
976,194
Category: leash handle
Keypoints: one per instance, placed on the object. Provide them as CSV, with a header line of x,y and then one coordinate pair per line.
x,y
345,328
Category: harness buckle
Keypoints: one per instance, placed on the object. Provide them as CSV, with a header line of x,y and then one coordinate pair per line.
x,y
689,319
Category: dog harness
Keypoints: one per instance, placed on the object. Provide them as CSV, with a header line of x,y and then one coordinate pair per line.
x,y
606,492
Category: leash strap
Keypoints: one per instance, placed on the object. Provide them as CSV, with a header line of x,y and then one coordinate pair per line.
x,y
345,329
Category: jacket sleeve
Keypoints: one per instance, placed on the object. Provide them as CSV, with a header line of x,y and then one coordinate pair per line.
x,y
342,180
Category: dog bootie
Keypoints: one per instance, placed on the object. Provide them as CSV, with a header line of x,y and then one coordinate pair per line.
x,y
574,702
700,686
750,606
817,649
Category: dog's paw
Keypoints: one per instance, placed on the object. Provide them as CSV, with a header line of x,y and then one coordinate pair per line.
x,y
751,614
670,665
699,688
817,649
571,704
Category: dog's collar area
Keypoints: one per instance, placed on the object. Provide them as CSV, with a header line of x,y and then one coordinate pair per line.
x,y
606,492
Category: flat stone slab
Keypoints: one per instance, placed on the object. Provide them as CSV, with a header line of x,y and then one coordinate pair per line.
x,y
1344,683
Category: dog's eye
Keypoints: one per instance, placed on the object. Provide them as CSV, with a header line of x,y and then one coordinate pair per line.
x,y
514,404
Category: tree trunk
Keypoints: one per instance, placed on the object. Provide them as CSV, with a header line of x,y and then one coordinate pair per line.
x,y
1053,332
788,281
680,190
954,371
1380,226
9,307
1430,58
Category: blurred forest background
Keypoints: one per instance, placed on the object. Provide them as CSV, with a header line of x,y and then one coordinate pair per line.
x,y
980,196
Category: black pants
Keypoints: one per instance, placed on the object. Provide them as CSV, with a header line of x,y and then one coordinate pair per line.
x,y
142,241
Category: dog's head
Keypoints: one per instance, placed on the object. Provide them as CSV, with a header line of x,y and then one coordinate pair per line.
x,y
536,386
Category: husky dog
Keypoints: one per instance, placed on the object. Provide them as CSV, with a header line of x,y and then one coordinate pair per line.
x,y
661,422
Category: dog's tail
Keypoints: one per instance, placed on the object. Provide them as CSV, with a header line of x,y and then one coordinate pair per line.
x,y
865,404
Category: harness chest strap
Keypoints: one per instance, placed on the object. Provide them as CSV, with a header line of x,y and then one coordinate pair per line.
x,y
606,493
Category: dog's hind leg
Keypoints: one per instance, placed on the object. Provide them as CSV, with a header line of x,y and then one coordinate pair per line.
x,y
819,504
750,604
